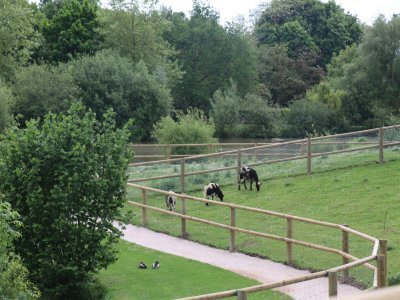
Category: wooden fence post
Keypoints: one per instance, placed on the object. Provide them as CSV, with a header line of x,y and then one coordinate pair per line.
x,y
383,251
144,211
345,249
381,135
169,151
232,245
332,279
289,246
182,175
308,156
184,233
242,295
382,278
239,164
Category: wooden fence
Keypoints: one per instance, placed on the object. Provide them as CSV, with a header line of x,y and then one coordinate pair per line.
x,y
378,247
306,153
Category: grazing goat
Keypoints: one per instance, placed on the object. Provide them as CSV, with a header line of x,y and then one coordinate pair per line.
x,y
211,190
170,200
247,173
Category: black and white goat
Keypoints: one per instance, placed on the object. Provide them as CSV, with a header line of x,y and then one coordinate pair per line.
x,y
247,173
211,190
170,201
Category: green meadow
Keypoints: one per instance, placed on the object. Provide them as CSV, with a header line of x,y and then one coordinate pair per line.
x,y
347,189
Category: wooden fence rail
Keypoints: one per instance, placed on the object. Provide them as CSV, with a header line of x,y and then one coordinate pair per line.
x,y
378,253
306,153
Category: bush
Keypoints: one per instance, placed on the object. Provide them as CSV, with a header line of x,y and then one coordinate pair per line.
x,y
307,118
190,128
257,118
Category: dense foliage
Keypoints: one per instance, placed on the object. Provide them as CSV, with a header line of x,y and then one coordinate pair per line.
x,y
66,178
72,30
14,283
153,60
210,55
108,80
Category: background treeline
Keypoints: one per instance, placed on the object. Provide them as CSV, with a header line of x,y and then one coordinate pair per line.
x,y
303,67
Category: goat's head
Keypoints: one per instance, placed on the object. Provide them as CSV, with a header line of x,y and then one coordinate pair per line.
x,y
258,184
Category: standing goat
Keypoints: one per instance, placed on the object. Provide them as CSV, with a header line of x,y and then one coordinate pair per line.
x,y
211,190
247,173
170,200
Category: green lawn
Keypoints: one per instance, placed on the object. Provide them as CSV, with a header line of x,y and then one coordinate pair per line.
x,y
177,277
351,190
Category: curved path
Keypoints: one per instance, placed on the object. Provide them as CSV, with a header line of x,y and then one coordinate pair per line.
x,y
262,270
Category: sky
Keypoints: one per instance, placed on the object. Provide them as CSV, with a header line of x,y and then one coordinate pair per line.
x,y
365,10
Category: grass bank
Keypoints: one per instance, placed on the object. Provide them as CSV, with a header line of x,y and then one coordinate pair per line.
x,y
176,278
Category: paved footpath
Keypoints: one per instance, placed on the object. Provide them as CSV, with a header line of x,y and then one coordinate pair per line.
x,y
263,270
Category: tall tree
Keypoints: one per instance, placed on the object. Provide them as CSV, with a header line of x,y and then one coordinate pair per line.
x,y
136,31
72,30
308,23
210,56
18,35
365,80
311,32
66,177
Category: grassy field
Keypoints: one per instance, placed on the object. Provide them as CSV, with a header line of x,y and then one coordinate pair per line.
x,y
346,189
177,277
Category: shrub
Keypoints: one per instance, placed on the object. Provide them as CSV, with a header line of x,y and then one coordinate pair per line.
x,y
307,118
190,128
66,177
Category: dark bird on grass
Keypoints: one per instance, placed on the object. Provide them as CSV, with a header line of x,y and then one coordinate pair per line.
x,y
142,265
156,265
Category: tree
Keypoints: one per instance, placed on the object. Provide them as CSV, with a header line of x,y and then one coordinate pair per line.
x,y
18,36
225,107
73,30
136,32
308,23
14,283
40,89
306,34
285,77
364,79
66,178
108,80
210,55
